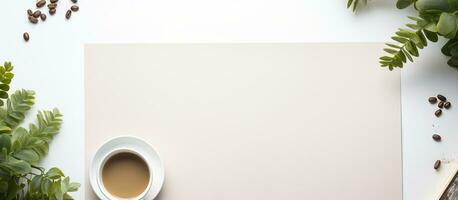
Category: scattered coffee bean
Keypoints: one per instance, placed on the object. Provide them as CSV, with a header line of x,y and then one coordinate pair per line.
x,y
74,8
33,20
432,100
52,11
68,14
75,1
36,14
441,104
29,12
54,1
437,138
447,105
441,97
437,164
52,6
26,36
438,113
41,3
43,17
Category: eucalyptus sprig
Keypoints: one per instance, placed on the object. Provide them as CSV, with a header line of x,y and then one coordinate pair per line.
x,y
436,18
22,149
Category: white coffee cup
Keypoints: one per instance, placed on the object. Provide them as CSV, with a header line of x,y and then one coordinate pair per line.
x,y
133,145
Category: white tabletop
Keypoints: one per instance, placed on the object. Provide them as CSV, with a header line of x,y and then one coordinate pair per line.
x,y
52,62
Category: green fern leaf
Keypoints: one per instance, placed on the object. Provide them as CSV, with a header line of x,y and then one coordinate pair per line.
x,y
49,123
5,79
17,106
409,41
33,145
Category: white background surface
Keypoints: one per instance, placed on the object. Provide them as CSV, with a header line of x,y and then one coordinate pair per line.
x,y
52,62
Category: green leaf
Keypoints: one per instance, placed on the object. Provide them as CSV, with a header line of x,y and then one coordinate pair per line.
x,y
407,55
4,87
17,166
27,155
35,185
401,4
5,142
67,197
391,51
422,38
399,39
46,186
453,62
446,49
54,173
447,25
8,75
417,19
425,5
13,189
401,56
386,58
349,3
73,187
412,49
406,33
393,45
56,190
431,36
354,4
8,66
3,94
413,26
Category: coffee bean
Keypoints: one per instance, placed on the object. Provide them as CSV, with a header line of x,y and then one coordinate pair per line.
x,y
437,138
33,20
54,1
437,164
43,17
438,113
52,6
68,14
447,105
432,100
41,3
26,36
74,8
29,12
52,11
441,97
75,1
441,104
36,14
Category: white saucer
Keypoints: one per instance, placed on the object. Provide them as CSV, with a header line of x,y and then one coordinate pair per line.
x,y
150,156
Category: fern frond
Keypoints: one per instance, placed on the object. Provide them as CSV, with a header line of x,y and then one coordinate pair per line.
x,y
33,145
18,104
5,79
354,4
49,123
409,41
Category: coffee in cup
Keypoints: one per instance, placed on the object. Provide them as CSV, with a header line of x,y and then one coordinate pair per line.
x,y
125,176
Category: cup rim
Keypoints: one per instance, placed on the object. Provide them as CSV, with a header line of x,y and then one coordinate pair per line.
x,y
112,153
